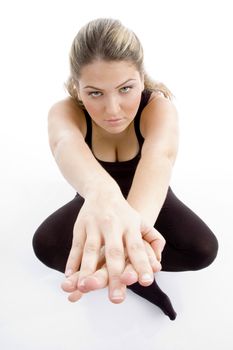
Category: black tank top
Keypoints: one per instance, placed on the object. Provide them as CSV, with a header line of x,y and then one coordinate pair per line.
x,y
122,172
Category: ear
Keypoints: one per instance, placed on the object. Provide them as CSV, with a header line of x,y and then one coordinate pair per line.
x,y
76,89
78,93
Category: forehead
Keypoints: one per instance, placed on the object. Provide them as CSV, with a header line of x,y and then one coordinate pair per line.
x,y
114,72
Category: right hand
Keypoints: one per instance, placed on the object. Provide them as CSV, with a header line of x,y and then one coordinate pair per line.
x,y
100,279
107,219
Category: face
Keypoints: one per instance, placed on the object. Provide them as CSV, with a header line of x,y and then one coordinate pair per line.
x,y
111,93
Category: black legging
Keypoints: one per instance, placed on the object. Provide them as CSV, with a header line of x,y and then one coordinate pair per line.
x,y
190,244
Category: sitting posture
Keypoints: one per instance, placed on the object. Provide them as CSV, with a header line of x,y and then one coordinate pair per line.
x,y
115,140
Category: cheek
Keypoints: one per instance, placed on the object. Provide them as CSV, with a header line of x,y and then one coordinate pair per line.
x,y
133,103
92,108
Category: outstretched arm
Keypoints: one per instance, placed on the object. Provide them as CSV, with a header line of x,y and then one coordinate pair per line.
x,y
66,129
105,218
151,180
159,127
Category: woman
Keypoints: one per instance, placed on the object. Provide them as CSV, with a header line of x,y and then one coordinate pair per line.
x,y
115,140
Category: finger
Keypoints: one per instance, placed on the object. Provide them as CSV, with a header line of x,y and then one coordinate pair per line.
x,y
129,276
90,256
152,236
117,295
75,296
138,257
155,264
98,280
70,286
95,281
158,245
101,261
115,261
70,283
75,255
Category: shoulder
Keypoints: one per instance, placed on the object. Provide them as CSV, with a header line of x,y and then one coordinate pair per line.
x,y
67,113
159,127
159,112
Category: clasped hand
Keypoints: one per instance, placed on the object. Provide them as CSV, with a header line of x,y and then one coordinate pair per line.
x,y
112,246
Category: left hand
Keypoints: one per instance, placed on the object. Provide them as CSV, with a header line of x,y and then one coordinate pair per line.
x,y
100,279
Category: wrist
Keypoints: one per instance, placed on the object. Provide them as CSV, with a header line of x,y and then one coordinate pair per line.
x,y
103,190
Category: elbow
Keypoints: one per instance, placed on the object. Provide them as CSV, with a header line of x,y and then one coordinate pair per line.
x,y
58,136
168,158
57,131
171,156
161,154
53,137
170,152
65,141
56,144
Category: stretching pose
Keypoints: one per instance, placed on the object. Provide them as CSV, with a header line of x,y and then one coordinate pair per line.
x,y
115,140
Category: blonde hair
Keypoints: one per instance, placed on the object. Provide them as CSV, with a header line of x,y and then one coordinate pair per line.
x,y
109,40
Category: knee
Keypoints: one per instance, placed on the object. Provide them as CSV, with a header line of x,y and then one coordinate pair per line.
x,y
48,249
206,252
40,246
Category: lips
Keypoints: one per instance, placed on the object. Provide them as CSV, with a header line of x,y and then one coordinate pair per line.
x,y
113,119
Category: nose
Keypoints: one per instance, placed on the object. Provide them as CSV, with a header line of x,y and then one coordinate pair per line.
x,y
112,106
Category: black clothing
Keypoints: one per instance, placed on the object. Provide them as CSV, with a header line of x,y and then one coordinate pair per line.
x,y
190,244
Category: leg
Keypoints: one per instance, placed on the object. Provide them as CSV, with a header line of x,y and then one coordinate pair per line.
x,y
190,244
53,238
52,242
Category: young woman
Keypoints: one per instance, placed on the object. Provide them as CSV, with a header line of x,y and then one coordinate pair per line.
x,y
115,140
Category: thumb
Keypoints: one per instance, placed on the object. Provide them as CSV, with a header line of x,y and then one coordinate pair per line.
x,y
152,236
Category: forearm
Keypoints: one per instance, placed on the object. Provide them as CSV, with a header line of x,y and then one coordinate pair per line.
x,y
150,185
79,167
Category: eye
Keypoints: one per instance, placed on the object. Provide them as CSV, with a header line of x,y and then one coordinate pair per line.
x,y
126,89
94,93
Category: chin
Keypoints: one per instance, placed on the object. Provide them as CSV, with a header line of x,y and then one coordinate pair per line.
x,y
116,131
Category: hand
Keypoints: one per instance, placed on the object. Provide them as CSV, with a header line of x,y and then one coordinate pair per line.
x,y
107,219
100,278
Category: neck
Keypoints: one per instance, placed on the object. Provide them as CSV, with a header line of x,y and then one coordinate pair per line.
x,y
112,137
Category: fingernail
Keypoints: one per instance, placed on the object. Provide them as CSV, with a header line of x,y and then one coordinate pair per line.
x,y
68,272
147,277
117,294
133,274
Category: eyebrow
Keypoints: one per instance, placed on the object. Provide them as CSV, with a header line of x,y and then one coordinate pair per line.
x,y
93,87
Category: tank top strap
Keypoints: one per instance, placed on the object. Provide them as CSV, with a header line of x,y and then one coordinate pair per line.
x,y
88,137
144,100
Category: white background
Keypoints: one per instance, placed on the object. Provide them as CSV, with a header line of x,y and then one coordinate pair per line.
x,y
188,46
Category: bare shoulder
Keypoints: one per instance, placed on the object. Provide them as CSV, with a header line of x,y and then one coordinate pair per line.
x,y
159,127
67,114
160,113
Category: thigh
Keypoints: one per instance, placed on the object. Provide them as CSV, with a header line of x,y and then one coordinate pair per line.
x,y
53,238
188,238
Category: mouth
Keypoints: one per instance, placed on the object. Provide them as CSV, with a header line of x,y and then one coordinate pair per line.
x,y
113,121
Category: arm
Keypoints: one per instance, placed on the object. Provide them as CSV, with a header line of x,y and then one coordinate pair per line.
x,y
105,218
66,129
159,126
